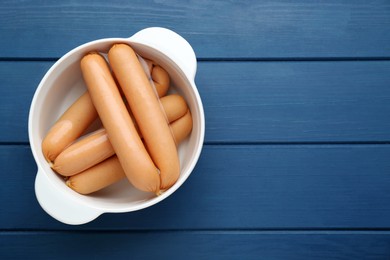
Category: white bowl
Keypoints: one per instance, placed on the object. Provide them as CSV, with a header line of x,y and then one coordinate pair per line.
x,y
63,83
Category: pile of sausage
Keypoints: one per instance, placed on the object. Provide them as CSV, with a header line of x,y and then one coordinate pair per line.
x,y
142,127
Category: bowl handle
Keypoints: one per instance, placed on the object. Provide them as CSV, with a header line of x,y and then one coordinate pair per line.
x,y
171,44
58,206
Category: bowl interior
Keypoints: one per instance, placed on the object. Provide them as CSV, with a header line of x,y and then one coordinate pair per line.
x,y
63,84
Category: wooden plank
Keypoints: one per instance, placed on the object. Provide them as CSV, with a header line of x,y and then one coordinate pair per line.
x,y
253,101
195,245
216,29
236,187
19,82
296,101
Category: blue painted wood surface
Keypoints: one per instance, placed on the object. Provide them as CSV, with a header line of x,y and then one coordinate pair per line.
x,y
296,159
197,245
238,187
344,101
216,29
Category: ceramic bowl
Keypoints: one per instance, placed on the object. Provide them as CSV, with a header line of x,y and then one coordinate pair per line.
x,y
63,84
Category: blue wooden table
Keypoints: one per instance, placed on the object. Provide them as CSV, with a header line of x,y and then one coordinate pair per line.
x,y
296,160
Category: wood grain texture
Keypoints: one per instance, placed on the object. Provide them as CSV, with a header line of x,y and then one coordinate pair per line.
x,y
196,245
17,87
236,187
253,101
296,162
216,29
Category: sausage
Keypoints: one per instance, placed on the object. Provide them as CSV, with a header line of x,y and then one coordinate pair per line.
x,y
110,171
174,107
147,112
133,157
160,77
149,63
161,80
182,127
84,153
97,177
103,174
96,147
76,119
74,122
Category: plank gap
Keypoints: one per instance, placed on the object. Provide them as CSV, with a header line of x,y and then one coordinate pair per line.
x,y
228,59
233,143
207,231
